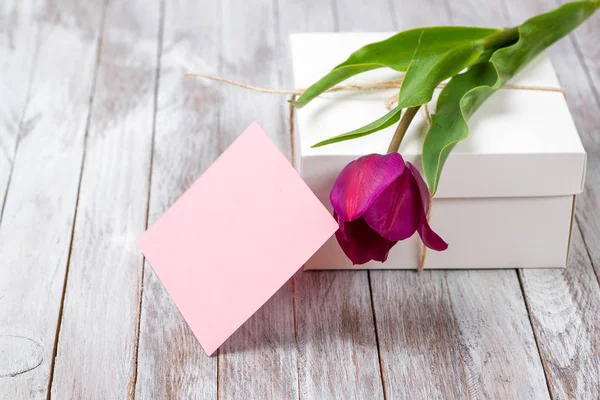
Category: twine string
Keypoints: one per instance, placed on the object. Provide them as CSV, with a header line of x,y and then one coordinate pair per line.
x,y
377,85
368,86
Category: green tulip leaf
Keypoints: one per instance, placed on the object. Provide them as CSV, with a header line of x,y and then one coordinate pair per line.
x,y
388,119
396,53
425,72
456,103
467,91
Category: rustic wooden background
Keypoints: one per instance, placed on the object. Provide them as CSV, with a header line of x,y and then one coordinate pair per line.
x,y
100,133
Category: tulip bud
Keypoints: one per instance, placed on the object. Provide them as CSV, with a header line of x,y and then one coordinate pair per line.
x,y
379,200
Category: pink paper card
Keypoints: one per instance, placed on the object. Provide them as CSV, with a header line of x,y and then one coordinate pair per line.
x,y
235,237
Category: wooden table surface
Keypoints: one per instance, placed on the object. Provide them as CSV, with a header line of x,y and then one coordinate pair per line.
x,y
100,133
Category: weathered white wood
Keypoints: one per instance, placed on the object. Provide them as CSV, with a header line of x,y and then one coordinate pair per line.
x,y
436,352
418,339
588,213
416,13
480,315
336,336
335,330
97,341
497,345
259,361
585,39
581,95
441,334
586,45
18,48
171,362
564,307
334,318
497,341
35,232
357,16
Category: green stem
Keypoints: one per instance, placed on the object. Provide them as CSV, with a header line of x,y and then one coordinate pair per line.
x,y
501,39
407,118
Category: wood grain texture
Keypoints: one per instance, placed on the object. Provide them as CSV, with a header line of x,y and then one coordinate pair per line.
x,y
325,334
419,344
19,41
588,214
564,307
35,232
497,344
585,44
334,316
585,40
497,341
98,334
418,340
455,334
171,363
450,325
412,14
564,304
336,336
259,360
479,323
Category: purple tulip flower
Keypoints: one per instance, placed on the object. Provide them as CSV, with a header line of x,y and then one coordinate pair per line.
x,y
379,200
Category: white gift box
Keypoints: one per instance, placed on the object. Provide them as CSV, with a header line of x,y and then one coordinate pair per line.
x,y
507,193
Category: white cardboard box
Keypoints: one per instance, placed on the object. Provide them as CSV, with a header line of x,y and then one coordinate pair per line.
x,y
507,193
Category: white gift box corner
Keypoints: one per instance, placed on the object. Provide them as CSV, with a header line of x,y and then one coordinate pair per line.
x,y
506,197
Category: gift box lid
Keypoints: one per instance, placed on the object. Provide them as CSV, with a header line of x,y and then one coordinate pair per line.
x,y
521,143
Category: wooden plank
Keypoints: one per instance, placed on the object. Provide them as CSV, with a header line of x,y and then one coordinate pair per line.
x,y
171,362
98,334
336,336
259,361
585,40
418,339
414,14
18,48
439,322
35,232
497,344
564,304
564,307
585,45
467,333
571,72
455,334
497,341
334,320
588,214
419,346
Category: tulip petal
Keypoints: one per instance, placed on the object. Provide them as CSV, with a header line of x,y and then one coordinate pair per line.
x,y
428,236
360,243
361,181
396,212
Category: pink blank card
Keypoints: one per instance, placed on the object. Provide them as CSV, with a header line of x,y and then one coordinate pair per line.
x,y
235,237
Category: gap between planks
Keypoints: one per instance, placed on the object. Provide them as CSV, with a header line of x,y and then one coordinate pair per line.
x,y
87,128
161,25
535,333
21,123
376,336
